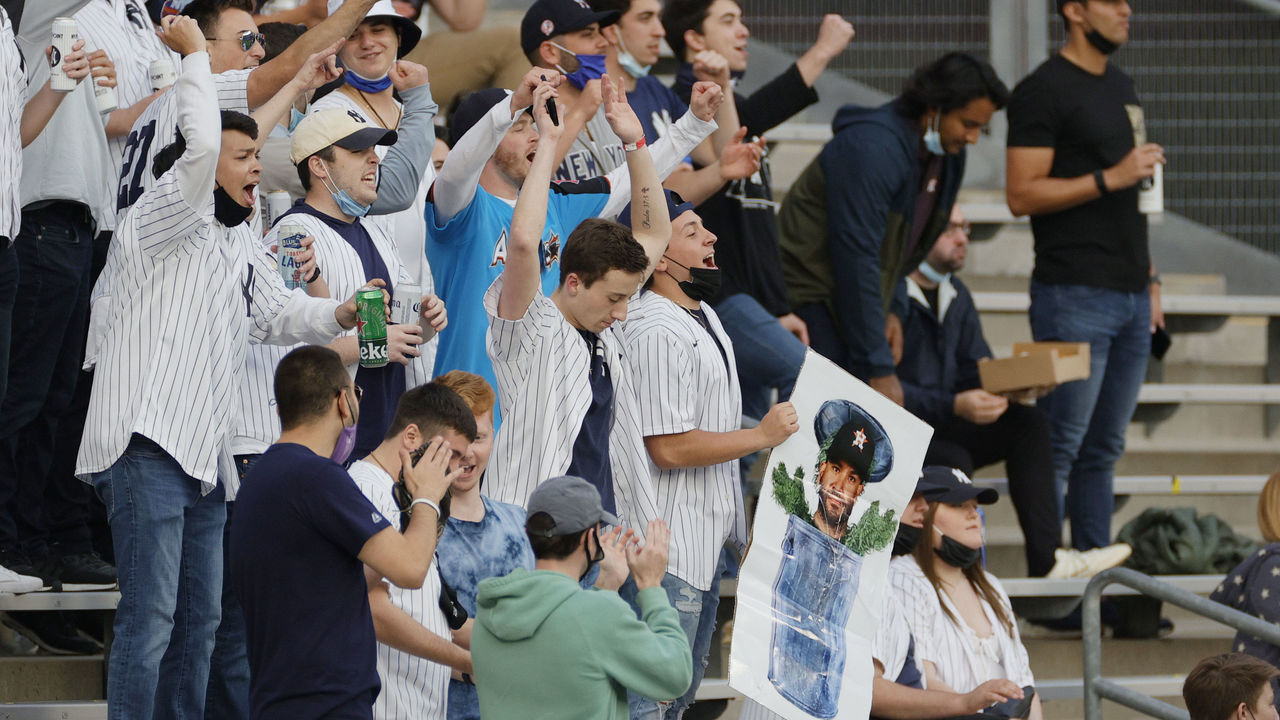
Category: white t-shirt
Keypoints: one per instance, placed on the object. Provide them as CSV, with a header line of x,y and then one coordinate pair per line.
x,y
413,688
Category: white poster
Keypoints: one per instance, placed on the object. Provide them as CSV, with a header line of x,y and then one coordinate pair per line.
x,y
811,589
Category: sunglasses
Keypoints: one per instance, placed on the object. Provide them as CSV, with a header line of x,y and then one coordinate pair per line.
x,y
247,38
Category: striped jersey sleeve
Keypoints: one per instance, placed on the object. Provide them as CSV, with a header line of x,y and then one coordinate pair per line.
x,y
13,97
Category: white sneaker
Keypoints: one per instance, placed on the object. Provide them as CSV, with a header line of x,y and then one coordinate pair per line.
x,y
1077,564
12,582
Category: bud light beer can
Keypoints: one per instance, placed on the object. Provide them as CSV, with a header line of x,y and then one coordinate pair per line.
x,y
371,324
105,97
289,251
162,74
65,35
275,204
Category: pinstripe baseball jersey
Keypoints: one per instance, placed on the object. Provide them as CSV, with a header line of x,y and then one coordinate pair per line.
x,y
13,98
191,294
259,424
542,366
684,383
408,228
963,660
413,688
123,30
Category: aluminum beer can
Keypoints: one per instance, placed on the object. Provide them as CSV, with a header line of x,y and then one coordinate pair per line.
x,y
161,73
105,97
65,35
1151,193
371,321
406,308
275,204
288,250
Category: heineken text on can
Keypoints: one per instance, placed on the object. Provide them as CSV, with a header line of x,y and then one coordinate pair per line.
x,y
289,252
162,74
65,35
371,324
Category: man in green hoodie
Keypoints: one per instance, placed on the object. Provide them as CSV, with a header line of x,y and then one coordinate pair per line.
x,y
543,647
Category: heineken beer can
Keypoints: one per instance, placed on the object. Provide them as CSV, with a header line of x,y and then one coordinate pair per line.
x,y
162,73
289,253
371,321
65,35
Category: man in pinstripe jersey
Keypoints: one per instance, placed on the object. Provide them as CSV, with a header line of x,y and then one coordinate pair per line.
x,y
691,416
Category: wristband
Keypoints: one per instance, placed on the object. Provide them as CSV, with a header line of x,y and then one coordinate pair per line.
x,y
632,147
1100,181
314,276
429,503
1154,279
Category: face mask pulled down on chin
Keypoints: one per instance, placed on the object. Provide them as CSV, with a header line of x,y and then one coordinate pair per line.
x,y
956,553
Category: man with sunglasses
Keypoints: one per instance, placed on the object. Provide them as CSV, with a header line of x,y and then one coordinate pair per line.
x,y
415,648
301,538
942,344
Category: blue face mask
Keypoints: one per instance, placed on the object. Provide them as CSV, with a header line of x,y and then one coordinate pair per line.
x,y
364,84
346,204
295,117
590,67
629,62
933,275
933,138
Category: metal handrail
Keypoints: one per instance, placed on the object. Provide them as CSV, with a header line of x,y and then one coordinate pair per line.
x,y
1096,687
1270,6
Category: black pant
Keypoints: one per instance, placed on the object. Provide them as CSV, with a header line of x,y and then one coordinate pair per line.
x,y
1020,437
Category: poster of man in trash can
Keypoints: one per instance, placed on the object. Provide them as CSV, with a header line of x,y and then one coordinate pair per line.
x,y
812,586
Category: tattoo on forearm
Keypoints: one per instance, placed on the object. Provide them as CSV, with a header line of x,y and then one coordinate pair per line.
x,y
644,207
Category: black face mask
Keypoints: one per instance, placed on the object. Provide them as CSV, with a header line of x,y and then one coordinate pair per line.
x,y
906,540
228,211
703,283
594,558
1101,44
957,554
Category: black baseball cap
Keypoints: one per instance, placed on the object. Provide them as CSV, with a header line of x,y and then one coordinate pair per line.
x,y
676,206
547,18
940,483
471,108
572,503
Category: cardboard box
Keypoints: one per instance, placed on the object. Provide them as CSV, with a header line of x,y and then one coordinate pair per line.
x,y
1034,365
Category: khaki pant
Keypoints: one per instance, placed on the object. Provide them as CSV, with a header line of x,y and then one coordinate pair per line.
x,y
460,63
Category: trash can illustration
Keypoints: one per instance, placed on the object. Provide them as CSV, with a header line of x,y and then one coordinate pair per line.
x,y
812,598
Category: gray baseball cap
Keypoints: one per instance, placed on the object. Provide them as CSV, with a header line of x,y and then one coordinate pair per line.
x,y
573,504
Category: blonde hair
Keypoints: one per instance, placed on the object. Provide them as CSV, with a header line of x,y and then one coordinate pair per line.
x,y
1269,509
474,390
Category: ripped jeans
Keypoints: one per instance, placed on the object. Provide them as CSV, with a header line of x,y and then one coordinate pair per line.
x,y
697,610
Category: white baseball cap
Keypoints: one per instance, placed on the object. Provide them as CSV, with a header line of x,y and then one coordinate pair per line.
x,y
410,33
347,129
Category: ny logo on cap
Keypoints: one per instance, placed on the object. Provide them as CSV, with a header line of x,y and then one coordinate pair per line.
x,y
583,4
357,117
859,439
960,476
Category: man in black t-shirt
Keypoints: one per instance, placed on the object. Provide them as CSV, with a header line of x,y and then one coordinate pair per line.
x,y
752,303
1077,151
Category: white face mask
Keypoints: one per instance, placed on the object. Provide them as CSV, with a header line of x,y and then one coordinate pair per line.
x,y
629,62
933,137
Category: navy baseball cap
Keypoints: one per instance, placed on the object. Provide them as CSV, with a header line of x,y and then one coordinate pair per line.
x,y
940,483
547,18
471,108
675,206
572,503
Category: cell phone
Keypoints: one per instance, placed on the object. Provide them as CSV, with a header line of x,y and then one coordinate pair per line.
x,y
1013,708
551,108
1161,340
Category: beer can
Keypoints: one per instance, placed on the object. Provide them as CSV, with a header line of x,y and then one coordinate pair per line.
x,y
105,97
1151,193
162,73
371,321
65,35
275,204
406,308
289,251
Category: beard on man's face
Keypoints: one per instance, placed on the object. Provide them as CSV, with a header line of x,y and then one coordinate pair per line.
x,y
840,518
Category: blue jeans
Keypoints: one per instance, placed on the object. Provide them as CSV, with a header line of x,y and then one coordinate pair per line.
x,y
767,355
697,610
1088,417
168,542
54,254
227,697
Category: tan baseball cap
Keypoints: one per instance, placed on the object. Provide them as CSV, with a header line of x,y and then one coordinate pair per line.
x,y
347,129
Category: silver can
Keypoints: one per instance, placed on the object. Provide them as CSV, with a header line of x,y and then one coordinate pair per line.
x,y
105,97
289,251
406,308
1151,193
162,73
65,35
274,205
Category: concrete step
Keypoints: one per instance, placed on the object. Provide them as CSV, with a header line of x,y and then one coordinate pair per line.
x,y
48,677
